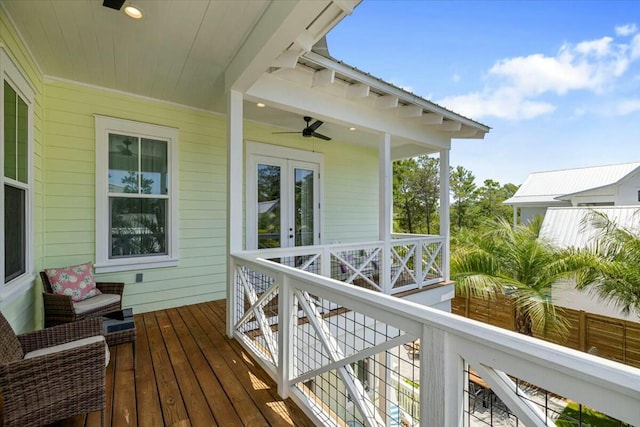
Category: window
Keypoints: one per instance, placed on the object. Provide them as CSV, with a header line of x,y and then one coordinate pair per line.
x,y
136,195
17,100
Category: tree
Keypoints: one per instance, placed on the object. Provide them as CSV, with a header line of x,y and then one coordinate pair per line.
x,y
405,201
514,261
426,184
615,275
463,192
489,200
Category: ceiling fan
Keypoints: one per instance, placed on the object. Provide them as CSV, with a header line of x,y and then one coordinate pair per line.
x,y
310,129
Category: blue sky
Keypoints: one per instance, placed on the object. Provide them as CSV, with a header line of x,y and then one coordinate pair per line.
x,y
558,81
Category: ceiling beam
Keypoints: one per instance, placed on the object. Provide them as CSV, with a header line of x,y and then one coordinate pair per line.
x,y
382,87
280,25
323,78
432,119
323,104
358,91
410,111
287,59
450,125
386,101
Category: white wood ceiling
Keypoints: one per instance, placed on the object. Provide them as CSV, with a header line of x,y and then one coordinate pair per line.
x,y
177,52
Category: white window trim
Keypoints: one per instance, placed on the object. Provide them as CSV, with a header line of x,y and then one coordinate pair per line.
x,y
23,283
104,125
253,151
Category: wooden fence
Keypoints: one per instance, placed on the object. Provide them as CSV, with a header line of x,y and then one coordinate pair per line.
x,y
612,338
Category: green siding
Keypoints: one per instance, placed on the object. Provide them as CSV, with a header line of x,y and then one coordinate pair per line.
x,y
70,193
24,312
350,183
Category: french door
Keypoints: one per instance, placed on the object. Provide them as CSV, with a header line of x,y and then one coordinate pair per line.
x,y
283,202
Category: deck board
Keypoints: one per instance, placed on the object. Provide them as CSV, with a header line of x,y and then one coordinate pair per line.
x,y
189,374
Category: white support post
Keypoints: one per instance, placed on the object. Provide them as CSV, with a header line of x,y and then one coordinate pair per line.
x,y
385,212
444,212
433,377
515,216
417,263
285,336
235,178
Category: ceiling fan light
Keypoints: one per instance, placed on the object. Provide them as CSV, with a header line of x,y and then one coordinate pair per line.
x,y
261,105
133,11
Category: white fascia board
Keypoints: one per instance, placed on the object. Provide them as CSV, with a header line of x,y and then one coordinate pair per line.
x,y
280,25
391,90
300,97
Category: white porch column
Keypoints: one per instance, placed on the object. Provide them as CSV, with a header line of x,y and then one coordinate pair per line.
x,y
444,212
515,216
385,197
235,178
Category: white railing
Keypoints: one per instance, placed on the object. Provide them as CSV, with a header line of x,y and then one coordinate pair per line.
x,y
334,350
413,261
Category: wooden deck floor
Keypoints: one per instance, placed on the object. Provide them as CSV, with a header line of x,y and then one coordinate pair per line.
x,y
189,374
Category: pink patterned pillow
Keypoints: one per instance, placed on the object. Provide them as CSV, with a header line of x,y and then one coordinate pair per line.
x,y
76,281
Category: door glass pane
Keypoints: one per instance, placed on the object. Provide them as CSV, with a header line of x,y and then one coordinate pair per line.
x,y
153,167
123,164
303,208
269,177
9,122
138,227
14,232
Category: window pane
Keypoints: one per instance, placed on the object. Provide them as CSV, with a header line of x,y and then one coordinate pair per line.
x,y
268,206
154,179
15,232
138,227
123,164
303,207
10,132
22,140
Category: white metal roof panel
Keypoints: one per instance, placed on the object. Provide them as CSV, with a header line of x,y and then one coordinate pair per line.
x,y
540,187
566,227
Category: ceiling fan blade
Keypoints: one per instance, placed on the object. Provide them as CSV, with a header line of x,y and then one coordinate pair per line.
x,y
321,136
279,133
113,4
316,125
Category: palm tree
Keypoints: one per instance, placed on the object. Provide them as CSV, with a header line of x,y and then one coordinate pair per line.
x,y
616,275
516,262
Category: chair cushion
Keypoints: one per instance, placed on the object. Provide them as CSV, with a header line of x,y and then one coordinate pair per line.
x,y
71,345
76,281
95,303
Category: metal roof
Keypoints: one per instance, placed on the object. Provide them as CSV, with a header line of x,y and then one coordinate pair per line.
x,y
550,187
566,227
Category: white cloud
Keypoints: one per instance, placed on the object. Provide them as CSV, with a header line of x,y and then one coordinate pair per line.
x,y
514,85
635,47
626,30
504,104
626,106
455,77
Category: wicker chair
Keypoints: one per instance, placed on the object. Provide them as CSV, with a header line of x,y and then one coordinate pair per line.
x,y
59,309
54,386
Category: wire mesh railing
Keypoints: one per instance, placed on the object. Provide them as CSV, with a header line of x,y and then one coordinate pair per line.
x,y
351,355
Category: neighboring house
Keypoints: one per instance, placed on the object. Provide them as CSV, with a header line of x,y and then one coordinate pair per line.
x,y
609,185
569,227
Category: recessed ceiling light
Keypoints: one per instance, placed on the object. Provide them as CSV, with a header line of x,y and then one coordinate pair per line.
x,y
133,11
260,105
352,128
